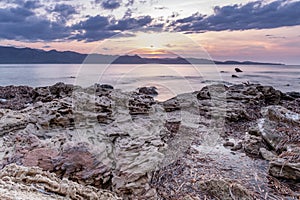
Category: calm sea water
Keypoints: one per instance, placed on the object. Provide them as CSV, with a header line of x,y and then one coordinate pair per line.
x,y
169,79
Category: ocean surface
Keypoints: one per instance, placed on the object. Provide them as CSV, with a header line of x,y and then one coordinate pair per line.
x,y
170,80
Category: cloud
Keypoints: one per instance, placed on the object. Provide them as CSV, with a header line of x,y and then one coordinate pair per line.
x,y
160,8
131,23
129,3
18,14
64,11
109,4
30,4
22,24
253,15
102,27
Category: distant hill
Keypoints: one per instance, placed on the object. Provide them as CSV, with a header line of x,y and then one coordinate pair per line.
x,y
12,55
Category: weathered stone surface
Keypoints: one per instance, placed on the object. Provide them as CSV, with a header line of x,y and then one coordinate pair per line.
x,y
284,169
140,104
33,183
226,189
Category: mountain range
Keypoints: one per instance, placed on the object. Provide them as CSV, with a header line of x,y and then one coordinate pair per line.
x,y
13,55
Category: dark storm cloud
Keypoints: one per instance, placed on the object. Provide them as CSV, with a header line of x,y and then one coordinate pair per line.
x,y
22,24
253,15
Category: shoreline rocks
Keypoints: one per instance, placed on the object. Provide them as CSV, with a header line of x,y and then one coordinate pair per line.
x,y
136,147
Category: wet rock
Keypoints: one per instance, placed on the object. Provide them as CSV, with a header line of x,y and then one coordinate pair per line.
x,y
238,70
148,90
234,76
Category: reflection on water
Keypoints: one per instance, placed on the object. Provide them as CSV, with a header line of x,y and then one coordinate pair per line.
x,y
169,79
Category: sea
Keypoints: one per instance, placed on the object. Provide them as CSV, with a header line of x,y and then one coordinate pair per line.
x,y
170,80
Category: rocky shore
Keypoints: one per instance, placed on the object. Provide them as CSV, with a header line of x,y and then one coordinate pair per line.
x,y
68,142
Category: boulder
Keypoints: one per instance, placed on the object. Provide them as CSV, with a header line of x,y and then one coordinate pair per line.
x,y
238,70
148,90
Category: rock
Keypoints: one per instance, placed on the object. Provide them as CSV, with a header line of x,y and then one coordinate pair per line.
x,y
237,147
148,90
106,86
238,70
254,131
56,91
294,94
252,145
267,155
283,169
171,105
140,104
15,97
204,94
228,144
234,76
78,163
226,189
32,182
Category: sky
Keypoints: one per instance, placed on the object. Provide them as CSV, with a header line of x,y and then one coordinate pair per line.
x,y
266,31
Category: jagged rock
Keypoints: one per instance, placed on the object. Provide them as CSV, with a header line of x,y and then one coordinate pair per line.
x,y
34,184
140,104
15,97
58,90
148,91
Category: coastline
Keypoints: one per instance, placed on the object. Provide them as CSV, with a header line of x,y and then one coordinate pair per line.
x,y
243,139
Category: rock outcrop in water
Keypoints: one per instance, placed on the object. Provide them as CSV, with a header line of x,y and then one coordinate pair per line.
x,y
101,139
